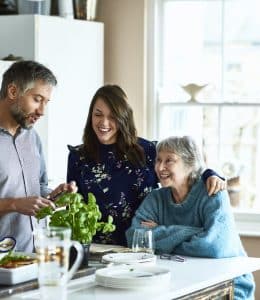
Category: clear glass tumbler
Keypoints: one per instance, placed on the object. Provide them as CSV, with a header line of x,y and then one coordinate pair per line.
x,y
143,240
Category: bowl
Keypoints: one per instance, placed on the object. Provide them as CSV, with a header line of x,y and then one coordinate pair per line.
x,y
6,244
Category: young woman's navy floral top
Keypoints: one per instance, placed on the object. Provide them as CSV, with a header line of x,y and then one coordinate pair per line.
x,y
119,187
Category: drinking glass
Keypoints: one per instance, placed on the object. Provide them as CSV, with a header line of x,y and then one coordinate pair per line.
x,y
143,240
85,9
52,250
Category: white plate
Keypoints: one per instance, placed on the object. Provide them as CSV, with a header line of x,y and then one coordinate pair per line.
x,y
21,274
137,276
129,258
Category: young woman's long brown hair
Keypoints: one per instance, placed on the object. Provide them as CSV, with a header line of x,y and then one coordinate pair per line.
x,y
126,145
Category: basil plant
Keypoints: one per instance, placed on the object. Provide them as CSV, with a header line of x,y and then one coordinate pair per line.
x,y
83,218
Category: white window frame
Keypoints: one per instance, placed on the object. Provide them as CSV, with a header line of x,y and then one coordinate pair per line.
x,y
248,222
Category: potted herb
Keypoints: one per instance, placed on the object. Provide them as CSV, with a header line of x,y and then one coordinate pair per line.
x,y
83,218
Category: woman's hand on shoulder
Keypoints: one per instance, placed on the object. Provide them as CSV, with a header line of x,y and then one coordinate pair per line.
x,y
215,184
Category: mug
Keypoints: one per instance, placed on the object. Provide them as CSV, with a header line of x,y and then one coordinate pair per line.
x,y
143,240
52,247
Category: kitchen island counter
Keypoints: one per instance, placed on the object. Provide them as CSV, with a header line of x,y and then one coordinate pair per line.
x,y
195,274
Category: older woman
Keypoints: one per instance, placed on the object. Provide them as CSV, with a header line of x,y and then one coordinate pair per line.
x,y
183,218
114,163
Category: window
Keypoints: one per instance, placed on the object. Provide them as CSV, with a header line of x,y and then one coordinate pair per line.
x,y
215,45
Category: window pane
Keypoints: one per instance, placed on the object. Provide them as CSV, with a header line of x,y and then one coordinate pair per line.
x,y
176,120
191,48
203,43
238,148
242,51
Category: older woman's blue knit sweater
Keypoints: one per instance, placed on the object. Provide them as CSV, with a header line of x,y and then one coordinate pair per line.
x,y
200,226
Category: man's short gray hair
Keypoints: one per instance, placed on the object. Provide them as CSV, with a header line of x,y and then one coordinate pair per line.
x,y
24,74
186,148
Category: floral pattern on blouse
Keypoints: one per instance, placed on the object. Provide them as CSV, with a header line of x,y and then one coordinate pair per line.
x,y
119,187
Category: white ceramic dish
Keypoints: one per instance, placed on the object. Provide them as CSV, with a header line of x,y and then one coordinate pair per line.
x,y
129,258
7,244
133,277
17,275
3,254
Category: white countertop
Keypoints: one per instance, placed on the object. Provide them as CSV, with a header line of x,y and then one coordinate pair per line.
x,y
192,275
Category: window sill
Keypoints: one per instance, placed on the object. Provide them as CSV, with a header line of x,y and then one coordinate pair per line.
x,y
247,222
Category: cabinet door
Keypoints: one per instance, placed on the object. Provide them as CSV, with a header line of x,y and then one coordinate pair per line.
x,y
220,291
73,50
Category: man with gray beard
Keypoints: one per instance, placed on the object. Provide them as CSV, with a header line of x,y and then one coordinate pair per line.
x,y
26,89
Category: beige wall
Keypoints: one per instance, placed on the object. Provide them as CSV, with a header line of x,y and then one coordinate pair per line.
x,y
252,246
124,51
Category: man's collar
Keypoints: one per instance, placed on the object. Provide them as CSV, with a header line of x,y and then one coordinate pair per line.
x,y
18,131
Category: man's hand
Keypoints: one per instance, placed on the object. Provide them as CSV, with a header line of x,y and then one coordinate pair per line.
x,y
30,205
215,184
64,187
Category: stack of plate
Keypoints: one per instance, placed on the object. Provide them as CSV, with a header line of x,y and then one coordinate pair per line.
x,y
129,258
134,277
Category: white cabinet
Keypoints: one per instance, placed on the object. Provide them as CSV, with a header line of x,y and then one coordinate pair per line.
x,y
73,50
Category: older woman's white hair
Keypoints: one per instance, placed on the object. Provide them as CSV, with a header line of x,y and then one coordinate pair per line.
x,y
186,148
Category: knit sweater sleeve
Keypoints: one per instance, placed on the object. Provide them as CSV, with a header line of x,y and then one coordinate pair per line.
x,y
219,238
166,237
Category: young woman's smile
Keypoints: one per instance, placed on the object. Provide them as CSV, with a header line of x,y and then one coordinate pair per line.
x,y
103,123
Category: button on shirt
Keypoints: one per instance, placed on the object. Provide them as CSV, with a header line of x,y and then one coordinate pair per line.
x,y
22,174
